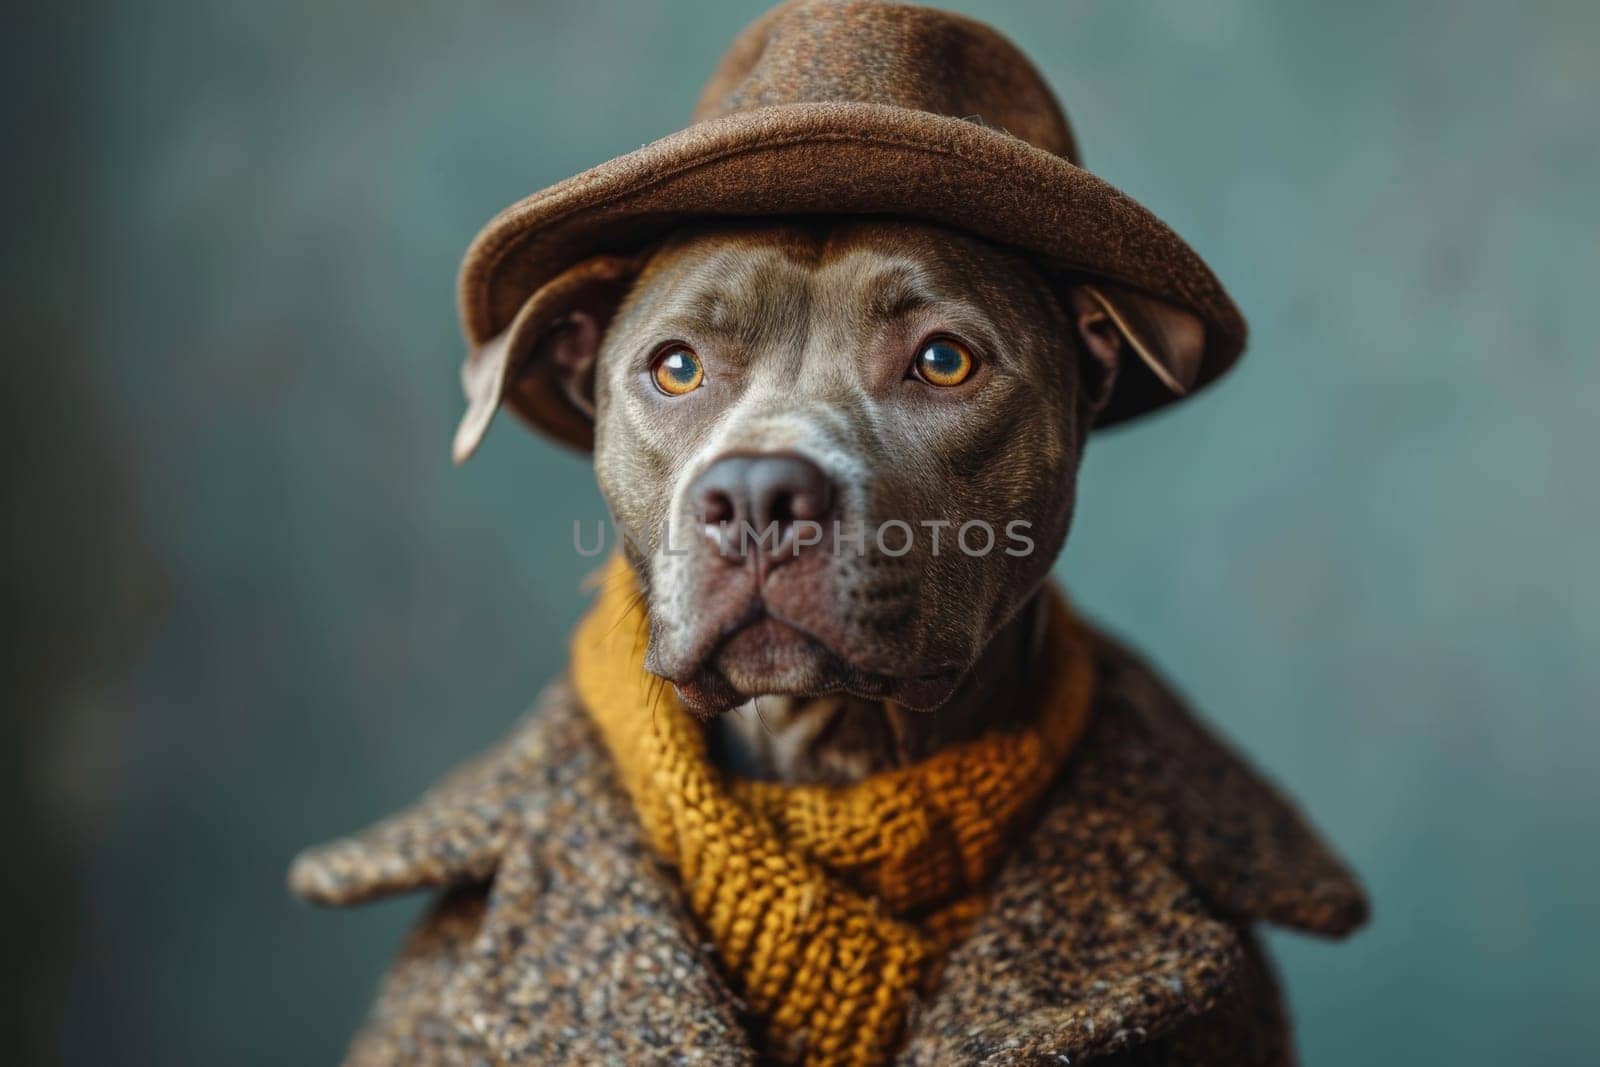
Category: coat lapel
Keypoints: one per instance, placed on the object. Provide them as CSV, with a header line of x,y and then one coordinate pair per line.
x,y
1122,915
459,830
577,948
586,954
1092,941
1248,849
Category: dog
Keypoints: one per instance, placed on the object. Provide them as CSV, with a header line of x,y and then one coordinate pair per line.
x,y
842,449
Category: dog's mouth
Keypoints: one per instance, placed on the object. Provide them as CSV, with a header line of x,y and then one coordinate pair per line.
x,y
761,654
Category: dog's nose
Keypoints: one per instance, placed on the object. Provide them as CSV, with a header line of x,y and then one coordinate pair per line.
x,y
769,503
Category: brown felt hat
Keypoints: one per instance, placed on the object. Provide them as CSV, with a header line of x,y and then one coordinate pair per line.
x,y
845,107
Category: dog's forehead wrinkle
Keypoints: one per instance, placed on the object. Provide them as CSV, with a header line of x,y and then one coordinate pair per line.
x,y
759,298
733,287
921,255
885,290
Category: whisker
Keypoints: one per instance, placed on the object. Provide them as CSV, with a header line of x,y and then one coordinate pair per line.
x,y
627,609
604,578
642,630
658,696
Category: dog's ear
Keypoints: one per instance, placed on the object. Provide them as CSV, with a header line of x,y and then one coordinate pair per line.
x,y
545,359
1112,321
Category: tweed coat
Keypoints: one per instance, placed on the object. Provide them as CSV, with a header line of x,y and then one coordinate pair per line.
x,y
1119,931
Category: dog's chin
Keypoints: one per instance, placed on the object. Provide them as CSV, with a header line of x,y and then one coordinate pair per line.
x,y
770,657
773,657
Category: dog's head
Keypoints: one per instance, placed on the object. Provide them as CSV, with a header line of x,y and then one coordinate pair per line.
x,y
844,452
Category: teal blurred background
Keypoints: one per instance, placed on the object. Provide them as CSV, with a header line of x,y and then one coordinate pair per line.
x,y
251,605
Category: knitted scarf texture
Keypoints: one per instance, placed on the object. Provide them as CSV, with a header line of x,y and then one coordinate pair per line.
x,y
830,908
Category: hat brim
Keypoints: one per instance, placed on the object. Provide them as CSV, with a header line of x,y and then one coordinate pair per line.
x,y
849,159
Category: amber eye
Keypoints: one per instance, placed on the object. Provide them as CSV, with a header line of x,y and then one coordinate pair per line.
x,y
677,370
944,362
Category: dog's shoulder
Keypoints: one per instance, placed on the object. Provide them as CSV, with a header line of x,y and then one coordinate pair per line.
x,y
457,832
1239,839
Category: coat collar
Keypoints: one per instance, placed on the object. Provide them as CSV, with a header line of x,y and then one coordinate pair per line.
x,y
1118,917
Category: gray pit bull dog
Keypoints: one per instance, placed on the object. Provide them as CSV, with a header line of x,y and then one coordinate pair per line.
x,y
846,453
842,425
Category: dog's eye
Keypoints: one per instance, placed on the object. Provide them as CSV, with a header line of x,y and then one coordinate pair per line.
x,y
677,370
944,362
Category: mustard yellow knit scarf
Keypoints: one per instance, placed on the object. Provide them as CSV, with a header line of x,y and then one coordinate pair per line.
x,y
830,908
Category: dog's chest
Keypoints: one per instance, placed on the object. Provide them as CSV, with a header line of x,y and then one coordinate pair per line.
x,y
832,739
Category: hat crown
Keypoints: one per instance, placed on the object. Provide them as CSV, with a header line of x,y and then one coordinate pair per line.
x,y
864,51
